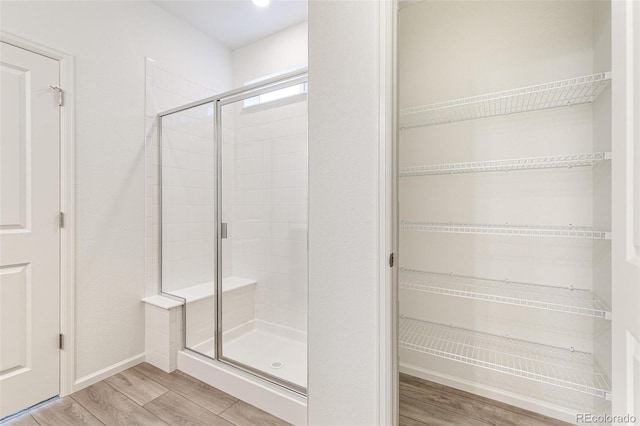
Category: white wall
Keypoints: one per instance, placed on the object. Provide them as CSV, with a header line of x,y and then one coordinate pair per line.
x,y
276,53
109,41
343,212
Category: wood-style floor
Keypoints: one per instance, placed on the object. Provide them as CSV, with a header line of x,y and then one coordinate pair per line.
x,y
145,395
427,403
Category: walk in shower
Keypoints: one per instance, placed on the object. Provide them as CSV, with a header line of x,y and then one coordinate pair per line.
x,y
234,226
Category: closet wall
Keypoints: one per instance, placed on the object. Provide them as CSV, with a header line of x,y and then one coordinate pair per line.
x,y
453,50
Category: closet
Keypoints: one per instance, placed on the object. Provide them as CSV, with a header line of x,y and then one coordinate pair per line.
x,y
505,200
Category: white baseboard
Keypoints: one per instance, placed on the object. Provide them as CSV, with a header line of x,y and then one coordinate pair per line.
x,y
109,371
520,401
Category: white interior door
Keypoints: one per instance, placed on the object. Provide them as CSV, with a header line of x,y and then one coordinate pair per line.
x,y
29,229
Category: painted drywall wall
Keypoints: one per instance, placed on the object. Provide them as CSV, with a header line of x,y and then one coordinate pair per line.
x,y
110,41
278,52
343,179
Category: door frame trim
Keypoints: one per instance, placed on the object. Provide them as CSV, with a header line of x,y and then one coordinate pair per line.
x,y
67,203
388,376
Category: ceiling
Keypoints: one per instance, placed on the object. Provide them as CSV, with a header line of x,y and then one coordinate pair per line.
x,y
235,23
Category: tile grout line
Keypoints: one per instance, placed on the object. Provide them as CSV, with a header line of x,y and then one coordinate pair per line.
x,y
227,409
217,414
138,405
141,405
83,407
28,413
236,401
35,420
179,394
189,399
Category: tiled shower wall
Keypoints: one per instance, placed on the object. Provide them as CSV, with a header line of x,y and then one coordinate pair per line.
x,y
188,198
269,199
188,193
265,187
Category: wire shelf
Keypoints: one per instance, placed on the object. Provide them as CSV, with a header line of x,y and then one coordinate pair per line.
x,y
573,91
552,298
547,162
508,230
545,364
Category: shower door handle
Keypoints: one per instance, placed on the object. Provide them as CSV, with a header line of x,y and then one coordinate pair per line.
x,y
223,230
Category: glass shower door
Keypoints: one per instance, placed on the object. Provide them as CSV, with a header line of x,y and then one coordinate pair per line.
x,y
262,218
187,199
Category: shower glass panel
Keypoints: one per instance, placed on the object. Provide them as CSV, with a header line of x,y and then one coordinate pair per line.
x,y
188,203
233,219
262,315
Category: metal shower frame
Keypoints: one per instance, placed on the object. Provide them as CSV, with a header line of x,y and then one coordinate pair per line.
x,y
218,101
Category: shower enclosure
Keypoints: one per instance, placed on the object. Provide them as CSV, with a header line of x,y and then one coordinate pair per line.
x,y
233,190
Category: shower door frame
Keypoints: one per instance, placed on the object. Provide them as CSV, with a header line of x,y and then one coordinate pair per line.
x,y
238,95
298,76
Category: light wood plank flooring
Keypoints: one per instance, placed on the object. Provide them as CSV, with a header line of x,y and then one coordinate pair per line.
x,y
427,403
145,395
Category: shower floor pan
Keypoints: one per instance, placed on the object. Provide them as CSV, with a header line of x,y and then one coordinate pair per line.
x,y
274,349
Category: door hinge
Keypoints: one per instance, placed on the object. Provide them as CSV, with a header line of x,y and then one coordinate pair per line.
x,y
391,260
61,220
60,94
223,230
61,341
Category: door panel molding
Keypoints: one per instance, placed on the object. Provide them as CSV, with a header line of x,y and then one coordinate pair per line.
x,y
16,86
67,202
15,353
